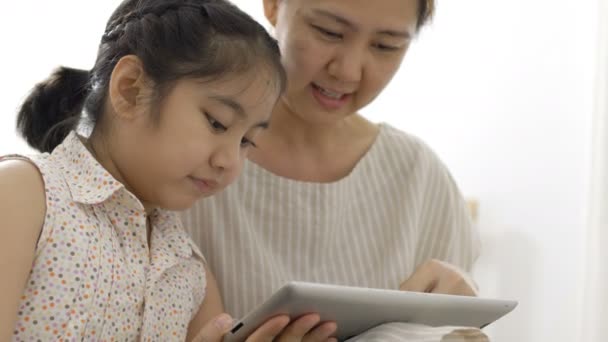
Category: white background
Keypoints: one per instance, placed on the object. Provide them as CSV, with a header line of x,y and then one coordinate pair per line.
x,y
502,90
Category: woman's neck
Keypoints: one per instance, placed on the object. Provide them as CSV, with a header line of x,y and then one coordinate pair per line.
x,y
301,150
292,131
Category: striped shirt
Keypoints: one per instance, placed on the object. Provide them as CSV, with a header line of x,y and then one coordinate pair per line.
x,y
397,208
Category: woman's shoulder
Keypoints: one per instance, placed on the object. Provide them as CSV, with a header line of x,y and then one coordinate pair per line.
x,y
404,147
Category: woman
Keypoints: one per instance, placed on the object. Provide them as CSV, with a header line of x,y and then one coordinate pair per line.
x,y
328,196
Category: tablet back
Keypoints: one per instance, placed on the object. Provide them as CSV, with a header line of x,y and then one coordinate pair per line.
x,y
356,309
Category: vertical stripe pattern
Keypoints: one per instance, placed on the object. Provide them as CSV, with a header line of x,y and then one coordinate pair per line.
x,y
398,208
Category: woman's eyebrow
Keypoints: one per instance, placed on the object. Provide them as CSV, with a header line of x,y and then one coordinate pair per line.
x,y
396,34
340,19
335,17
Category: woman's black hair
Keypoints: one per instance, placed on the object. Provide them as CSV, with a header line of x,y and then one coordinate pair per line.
x,y
174,39
426,10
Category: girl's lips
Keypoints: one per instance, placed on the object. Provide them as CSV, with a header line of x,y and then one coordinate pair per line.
x,y
204,185
328,102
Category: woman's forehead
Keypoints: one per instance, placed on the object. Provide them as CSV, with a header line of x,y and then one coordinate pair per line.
x,y
375,15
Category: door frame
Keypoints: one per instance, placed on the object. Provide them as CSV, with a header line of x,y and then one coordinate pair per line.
x,y
595,297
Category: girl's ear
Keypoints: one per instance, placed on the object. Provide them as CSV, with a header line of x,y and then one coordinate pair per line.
x,y
127,85
271,9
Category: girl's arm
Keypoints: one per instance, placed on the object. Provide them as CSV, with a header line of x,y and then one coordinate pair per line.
x,y
210,323
22,211
211,307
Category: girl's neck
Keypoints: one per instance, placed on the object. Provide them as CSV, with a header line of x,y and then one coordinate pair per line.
x,y
100,150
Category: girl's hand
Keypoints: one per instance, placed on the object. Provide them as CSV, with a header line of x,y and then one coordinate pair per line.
x,y
307,328
303,329
215,329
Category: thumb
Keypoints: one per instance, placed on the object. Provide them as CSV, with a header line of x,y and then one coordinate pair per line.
x,y
420,281
215,329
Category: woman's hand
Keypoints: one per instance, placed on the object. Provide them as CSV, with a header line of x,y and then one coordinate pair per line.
x,y
465,335
304,329
436,276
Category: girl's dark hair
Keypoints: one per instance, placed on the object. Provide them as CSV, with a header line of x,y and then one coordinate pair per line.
x,y
174,39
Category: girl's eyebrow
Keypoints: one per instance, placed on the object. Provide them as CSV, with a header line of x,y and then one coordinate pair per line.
x,y
234,105
351,25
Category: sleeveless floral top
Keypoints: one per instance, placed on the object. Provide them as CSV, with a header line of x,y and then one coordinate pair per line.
x,y
94,276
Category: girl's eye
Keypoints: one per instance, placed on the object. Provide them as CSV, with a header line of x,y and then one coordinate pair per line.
x,y
327,33
216,125
247,143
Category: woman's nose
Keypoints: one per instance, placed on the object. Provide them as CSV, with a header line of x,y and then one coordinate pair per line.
x,y
347,65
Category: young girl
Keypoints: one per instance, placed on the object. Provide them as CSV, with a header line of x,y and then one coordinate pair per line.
x,y
90,249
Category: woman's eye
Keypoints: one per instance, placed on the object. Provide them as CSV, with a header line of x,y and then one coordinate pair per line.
x,y
384,47
216,125
247,143
327,33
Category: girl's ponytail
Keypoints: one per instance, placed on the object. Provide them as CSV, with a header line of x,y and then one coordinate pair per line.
x,y
174,39
53,108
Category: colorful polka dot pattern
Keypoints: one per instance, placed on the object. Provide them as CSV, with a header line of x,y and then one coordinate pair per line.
x,y
94,276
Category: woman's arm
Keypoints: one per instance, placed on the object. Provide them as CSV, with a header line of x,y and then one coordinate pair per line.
x,y
448,244
22,211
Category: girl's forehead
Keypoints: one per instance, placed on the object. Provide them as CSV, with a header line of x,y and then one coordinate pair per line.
x,y
252,87
259,76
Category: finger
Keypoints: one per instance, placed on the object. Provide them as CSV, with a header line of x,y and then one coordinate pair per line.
x,y
424,279
454,284
453,280
465,335
269,330
322,333
215,329
296,330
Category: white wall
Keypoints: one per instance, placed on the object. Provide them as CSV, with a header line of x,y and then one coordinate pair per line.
x,y
502,90
36,37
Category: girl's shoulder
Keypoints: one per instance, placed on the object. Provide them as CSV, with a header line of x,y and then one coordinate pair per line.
x,y
39,185
22,200
43,169
19,175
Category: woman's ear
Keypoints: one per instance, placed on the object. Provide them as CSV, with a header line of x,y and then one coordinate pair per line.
x,y
127,84
271,10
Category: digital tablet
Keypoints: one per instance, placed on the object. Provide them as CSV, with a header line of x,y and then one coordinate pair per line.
x,y
356,309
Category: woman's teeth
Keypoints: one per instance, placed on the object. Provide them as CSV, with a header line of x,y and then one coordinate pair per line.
x,y
329,93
